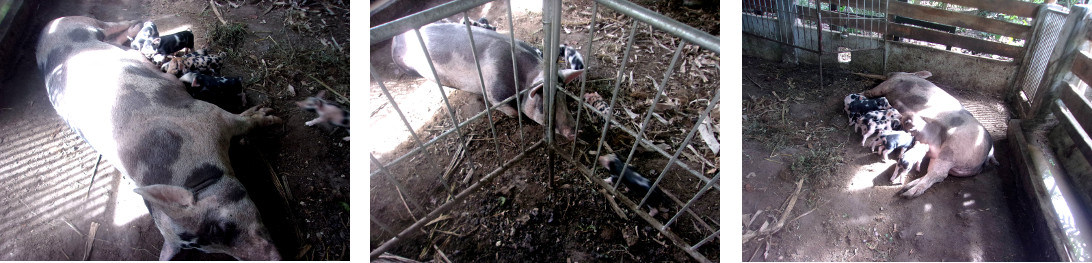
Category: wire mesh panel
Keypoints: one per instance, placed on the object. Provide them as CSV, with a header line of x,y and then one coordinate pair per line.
x,y
615,121
1045,38
462,150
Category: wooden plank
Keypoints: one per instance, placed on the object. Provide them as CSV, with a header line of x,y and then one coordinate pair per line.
x,y
1011,7
1079,106
943,38
959,19
1082,67
1072,125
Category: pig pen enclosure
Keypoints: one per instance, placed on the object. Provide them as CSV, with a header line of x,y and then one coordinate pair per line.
x,y
59,201
498,188
812,193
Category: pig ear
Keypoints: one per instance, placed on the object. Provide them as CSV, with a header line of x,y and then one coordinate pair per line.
x,y
171,199
923,74
568,75
533,103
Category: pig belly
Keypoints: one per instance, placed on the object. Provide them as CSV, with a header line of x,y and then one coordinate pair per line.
x,y
965,144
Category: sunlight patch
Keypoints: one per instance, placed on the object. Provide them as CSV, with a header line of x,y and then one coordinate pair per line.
x,y
864,176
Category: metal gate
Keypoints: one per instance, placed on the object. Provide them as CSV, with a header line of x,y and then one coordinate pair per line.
x,y
568,155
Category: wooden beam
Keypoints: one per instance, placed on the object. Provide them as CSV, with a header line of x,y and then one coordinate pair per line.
x,y
1011,7
959,19
1082,67
944,38
1079,107
1072,125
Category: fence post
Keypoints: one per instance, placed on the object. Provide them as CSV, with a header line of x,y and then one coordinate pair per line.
x,y
786,19
1043,37
1073,34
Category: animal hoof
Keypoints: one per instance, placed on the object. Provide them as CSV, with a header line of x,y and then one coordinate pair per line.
x,y
260,115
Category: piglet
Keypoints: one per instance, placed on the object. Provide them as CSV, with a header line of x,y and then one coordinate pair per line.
x,y
633,180
217,90
892,140
169,44
208,64
327,112
910,158
570,55
482,23
878,121
852,98
858,108
143,40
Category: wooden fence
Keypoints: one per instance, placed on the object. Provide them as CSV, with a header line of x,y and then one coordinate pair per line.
x,y
923,17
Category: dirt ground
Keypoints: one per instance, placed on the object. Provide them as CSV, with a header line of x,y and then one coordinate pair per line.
x,y
56,190
540,209
848,210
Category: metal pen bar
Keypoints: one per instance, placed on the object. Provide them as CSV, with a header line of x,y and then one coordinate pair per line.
x,y
648,114
396,109
587,67
682,146
436,77
661,22
675,239
481,79
453,202
645,142
398,185
551,21
614,97
390,29
691,202
706,240
515,76
446,133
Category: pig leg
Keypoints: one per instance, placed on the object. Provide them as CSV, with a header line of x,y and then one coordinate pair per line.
x,y
247,120
938,170
871,130
887,152
896,176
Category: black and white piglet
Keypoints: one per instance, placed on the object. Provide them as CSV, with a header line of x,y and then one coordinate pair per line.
x,y
222,91
570,55
143,40
327,112
911,158
634,181
889,141
169,44
482,23
878,122
859,107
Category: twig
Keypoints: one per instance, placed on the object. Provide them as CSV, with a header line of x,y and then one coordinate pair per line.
x,y
871,76
784,216
330,89
441,253
71,226
396,188
217,11
753,81
93,172
285,195
613,205
90,240
756,252
455,160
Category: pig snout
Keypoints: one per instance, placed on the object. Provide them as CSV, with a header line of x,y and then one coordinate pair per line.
x,y
259,249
